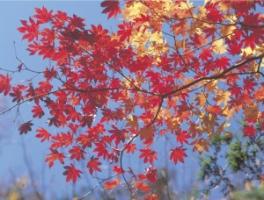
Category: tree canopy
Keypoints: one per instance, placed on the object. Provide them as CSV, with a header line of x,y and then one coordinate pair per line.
x,y
176,69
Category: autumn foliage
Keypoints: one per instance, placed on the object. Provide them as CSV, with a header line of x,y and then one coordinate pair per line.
x,y
172,69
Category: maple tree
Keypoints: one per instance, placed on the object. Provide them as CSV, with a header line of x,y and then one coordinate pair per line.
x,y
171,69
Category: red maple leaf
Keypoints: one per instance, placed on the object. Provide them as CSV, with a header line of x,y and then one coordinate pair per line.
x,y
177,155
43,134
76,22
182,137
42,15
101,150
124,31
118,170
30,30
71,173
45,86
53,156
142,19
111,8
249,84
212,13
117,135
148,155
76,153
17,93
94,165
85,140
50,73
25,127
235,90
62,140
152,175
222,62
130,148
234,47
249,131
205,54
37,111
250,41
5,84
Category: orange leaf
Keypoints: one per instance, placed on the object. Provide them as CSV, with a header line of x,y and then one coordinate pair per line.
x,y
142,186
151,197
201,145
214,109
146,133
109,185
259,94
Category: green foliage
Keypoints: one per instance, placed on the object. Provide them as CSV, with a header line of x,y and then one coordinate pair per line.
x,y
232,160
205,167
236,156
254,194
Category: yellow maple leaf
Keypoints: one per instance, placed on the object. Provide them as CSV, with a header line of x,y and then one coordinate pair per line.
x,y
201,99
219,46
247,51
139,38
167,8
212,85
223,6
222,97
227,30
156,38
157,44
202,12
231,18
228,112
201,145
134,10
164,114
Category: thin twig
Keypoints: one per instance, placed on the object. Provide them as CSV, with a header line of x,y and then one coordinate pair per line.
x,y
30,171
132,139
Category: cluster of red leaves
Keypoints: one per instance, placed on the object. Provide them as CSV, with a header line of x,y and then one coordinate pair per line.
x,y
97,82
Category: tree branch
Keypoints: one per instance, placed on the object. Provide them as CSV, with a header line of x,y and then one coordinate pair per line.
x,y
213,77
